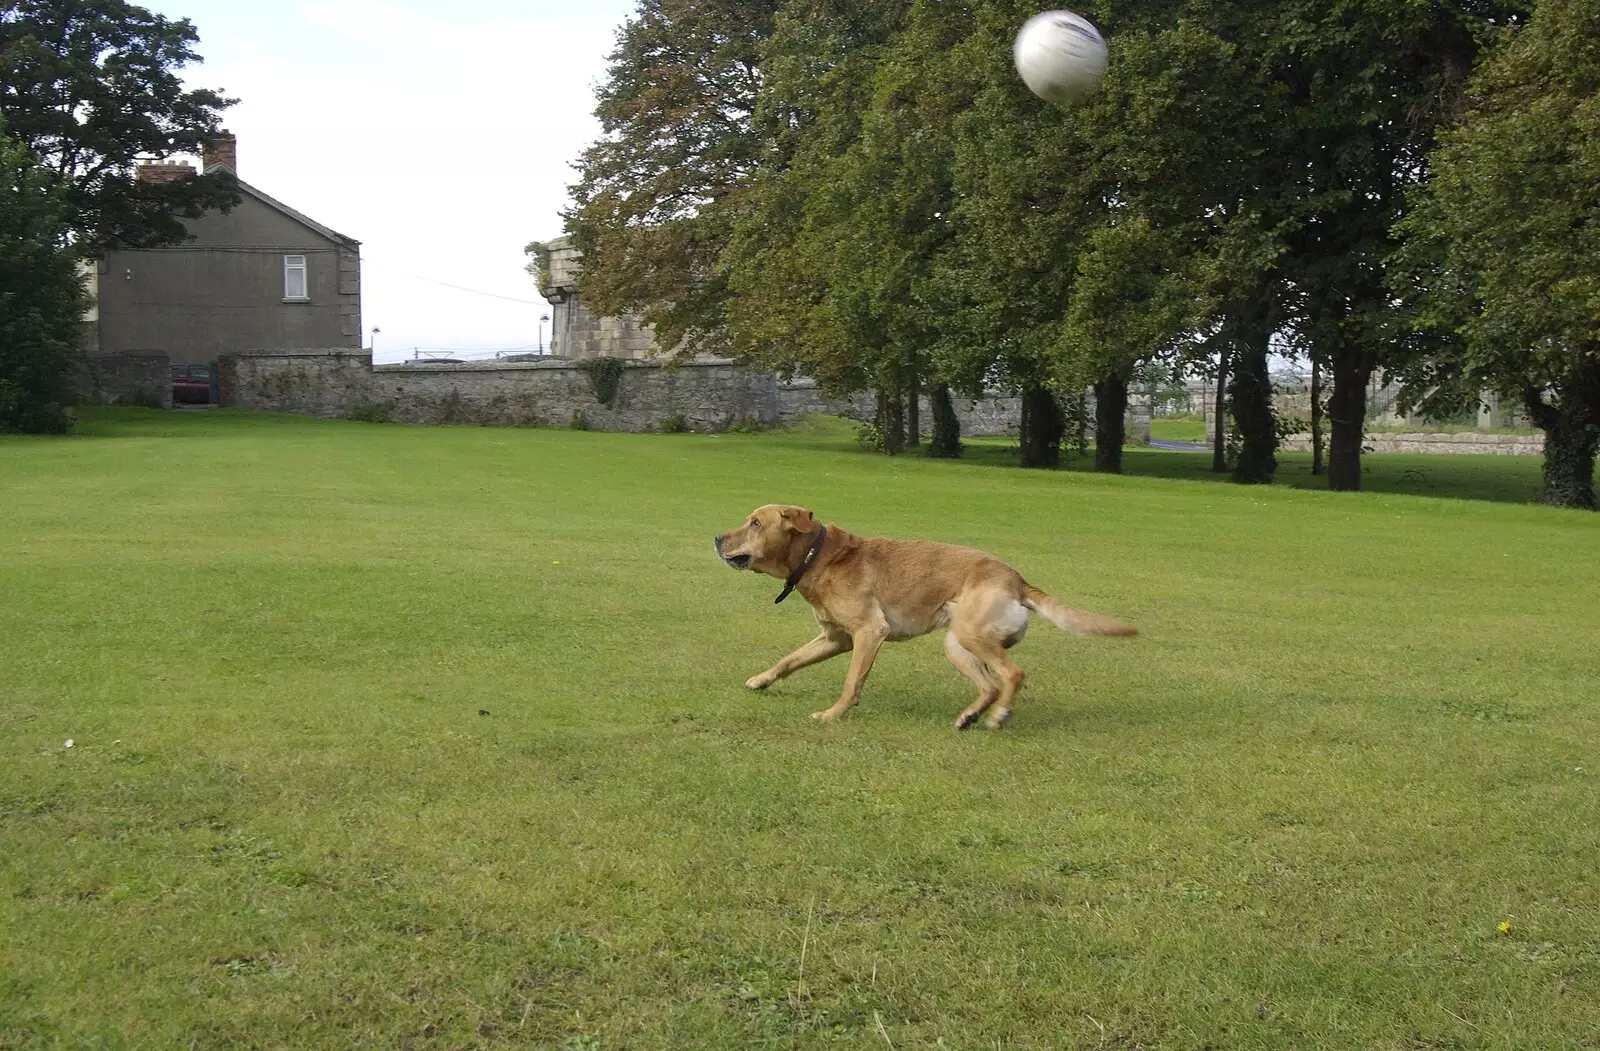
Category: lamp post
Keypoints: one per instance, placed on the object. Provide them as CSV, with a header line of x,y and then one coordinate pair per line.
x,y
542,319
372,343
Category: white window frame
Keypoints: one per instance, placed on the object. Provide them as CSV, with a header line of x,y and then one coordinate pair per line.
x,y
295,266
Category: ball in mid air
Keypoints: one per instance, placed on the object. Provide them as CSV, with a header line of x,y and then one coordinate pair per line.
x,y
1061,57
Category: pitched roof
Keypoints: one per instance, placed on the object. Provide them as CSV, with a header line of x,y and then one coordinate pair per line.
x,y
302,219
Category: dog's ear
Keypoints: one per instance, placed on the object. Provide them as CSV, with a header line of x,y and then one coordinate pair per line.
x,y
799,518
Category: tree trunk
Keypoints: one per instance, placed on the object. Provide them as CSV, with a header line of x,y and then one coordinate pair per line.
x,y
946,443
1571,438
892,422
1316,413
1110,423
914,413
1219,444
1252,406
1042,428
1347,416
1569,452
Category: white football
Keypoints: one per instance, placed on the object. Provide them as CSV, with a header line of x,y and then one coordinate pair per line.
x,y
1061,56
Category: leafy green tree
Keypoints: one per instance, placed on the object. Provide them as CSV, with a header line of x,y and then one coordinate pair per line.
x,y
1134,299
1363,89
834,242
1501,250
41,296
658,193
90,86
1021,205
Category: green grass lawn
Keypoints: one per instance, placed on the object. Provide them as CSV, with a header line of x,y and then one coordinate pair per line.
x,y
396,737
1179,429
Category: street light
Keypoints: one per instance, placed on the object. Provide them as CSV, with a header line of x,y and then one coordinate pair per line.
x,y
542,319
372,344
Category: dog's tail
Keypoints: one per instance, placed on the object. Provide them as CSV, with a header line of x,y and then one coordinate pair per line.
x,y
1077,621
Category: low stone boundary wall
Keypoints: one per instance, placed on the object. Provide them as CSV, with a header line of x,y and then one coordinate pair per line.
x,y
143,378
708,396
1440,444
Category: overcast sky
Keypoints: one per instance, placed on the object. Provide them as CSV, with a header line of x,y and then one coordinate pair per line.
x,y
438,134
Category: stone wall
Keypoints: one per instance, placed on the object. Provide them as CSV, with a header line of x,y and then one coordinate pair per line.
x,y
1468,443
708,395
990,417
130,378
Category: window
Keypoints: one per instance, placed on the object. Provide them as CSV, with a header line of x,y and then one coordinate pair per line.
x,y
294,277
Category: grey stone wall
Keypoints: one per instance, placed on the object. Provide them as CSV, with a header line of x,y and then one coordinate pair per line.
x,y
340,383
980,418
708,395
1293,398
1467,443
130,378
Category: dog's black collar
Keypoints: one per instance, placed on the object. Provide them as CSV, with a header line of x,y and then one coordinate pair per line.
x,y
805,564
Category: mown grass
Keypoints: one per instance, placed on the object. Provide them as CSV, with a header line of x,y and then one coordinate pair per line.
x,y
397,737
1179,428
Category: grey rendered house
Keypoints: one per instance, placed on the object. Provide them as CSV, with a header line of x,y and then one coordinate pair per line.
x,y
261,277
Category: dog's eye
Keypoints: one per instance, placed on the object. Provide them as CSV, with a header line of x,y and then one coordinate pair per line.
x,y
755,523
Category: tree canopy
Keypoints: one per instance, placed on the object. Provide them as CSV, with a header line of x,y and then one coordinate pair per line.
x,y
41,295
90,88
889,208
1501,251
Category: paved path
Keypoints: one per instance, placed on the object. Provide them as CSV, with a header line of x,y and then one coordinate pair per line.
x,y
1186,447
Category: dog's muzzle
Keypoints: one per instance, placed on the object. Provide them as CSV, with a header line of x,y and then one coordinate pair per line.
x,y
736,561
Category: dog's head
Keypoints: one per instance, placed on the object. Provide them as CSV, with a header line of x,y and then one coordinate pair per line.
x,y
772,540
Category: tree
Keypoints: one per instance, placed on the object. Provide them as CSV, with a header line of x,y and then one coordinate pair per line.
x,y
839,234
1500,252
658,193
41,296
1021,205
1364,87
946,443
91,86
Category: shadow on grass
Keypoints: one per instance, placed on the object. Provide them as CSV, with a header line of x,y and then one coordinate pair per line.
x,y
1501,479
1498,479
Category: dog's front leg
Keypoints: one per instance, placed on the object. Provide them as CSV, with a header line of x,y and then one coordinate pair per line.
x,y
828,644
867,641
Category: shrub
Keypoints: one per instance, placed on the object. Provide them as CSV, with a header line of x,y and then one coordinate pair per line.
x,y
368,412
675,423
579,421
605,376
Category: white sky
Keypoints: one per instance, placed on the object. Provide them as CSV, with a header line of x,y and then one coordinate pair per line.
x,y
439,134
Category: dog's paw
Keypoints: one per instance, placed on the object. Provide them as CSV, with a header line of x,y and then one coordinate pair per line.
x,y
965,720
998,718
827,715
757,682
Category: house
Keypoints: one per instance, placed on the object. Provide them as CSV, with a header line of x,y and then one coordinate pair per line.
x,y
260,277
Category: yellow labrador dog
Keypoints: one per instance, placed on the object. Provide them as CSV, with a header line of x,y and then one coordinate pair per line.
x,y
868,591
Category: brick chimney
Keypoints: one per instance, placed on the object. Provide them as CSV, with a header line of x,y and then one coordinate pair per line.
x,y
222,151
160,172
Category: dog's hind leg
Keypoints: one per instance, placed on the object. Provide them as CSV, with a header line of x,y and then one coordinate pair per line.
x,y
817,650
987,622
970,666
999,664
